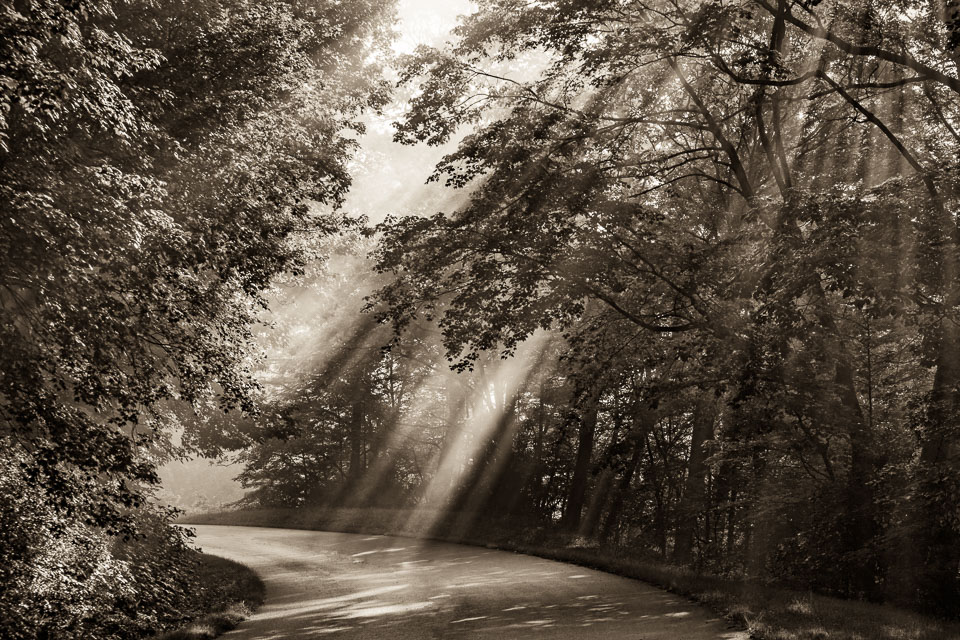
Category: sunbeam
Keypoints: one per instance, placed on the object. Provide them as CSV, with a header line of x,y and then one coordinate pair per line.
x,y
476,452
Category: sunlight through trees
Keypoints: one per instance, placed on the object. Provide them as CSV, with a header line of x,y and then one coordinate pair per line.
x,y
685,283
737,224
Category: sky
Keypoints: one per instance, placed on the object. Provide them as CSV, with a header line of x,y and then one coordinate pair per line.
x,y
388,179
426,21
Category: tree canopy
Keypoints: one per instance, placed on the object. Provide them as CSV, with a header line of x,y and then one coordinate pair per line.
x,y
765,193
697,295
160,164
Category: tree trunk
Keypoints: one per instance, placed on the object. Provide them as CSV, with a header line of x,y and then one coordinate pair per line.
x,y
645,422
860,525
598,501
937,545
356,441
581,470
691,501
601,492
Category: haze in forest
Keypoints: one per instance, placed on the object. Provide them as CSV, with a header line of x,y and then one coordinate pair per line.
x,y
387,179
668,287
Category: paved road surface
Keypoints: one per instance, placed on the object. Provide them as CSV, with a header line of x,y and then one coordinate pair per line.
x,y
345,586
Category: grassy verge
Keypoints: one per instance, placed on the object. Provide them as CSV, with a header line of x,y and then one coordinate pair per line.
x,y
229,592
766,612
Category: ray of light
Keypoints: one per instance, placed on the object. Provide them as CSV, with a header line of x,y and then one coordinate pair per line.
x,y
506,379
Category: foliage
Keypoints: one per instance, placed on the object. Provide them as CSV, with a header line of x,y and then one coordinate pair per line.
x,y
160,165
702,296
226,593
66,579
754,201
56,574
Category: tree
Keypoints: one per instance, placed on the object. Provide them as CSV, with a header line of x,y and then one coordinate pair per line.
x,y
763,187
159,166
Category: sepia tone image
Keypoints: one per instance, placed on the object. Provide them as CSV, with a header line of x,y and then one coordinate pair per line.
x,y
507,319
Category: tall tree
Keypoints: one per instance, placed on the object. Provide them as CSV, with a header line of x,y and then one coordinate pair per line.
x,y
761,185
160,164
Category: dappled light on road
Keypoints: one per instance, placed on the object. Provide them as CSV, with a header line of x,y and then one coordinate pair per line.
x,y
351,586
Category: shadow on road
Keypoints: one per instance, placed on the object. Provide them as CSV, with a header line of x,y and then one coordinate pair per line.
x,y
353,586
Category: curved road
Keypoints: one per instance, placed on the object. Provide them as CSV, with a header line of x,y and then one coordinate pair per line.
x,y
345,586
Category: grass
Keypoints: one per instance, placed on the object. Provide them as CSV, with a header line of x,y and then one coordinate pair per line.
x,y
229,593
766,612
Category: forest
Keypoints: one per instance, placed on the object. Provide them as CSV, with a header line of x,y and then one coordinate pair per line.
x,y
695,294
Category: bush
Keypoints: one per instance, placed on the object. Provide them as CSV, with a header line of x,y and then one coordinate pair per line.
x,y
58,576
64,579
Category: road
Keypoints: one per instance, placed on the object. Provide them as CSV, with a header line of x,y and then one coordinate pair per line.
x,y
345,586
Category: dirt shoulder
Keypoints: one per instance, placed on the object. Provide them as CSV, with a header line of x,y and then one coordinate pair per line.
x,y
229,593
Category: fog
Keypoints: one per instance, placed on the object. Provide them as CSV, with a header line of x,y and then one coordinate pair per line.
x,y
388,179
